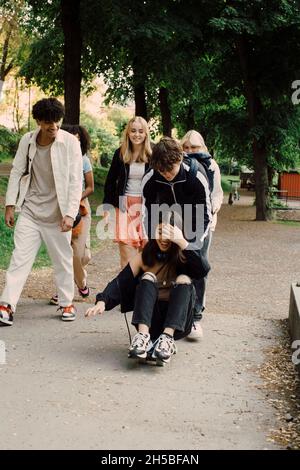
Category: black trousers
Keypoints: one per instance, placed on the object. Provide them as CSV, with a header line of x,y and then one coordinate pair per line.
x,y
200,285
157,314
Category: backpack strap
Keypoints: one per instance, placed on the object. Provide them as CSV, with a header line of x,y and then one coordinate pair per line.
x,y
27,157
204,161
195,166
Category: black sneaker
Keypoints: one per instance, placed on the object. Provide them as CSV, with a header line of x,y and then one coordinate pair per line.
x,y
54,300
6,315
164,349
139,346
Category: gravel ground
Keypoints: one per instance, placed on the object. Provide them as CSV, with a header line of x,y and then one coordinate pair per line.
x,y
253,266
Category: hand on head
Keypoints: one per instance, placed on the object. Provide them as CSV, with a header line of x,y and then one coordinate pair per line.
x,y
170,233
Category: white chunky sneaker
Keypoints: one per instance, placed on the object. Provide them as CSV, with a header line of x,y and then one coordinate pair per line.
x,y
196,332
164,349
139,346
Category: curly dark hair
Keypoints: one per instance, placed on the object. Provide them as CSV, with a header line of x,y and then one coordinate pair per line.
x,y
165,154
48,109
84,137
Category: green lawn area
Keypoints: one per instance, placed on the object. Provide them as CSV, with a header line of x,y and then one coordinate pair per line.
x,y
226,185
290,223
42,260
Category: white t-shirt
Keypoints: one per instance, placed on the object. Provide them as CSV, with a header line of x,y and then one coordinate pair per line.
x,y
136,173
41,204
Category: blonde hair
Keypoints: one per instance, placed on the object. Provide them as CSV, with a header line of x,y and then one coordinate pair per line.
x,y
195,139
126,147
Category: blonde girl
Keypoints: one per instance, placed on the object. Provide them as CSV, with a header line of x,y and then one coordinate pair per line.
x,y
123,187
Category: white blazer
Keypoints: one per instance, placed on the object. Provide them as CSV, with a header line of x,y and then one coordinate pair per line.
x,y
217,193
66,159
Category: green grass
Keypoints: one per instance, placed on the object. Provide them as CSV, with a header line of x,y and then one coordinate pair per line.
x,y
226,185
95,200
291,223
6,243
3,185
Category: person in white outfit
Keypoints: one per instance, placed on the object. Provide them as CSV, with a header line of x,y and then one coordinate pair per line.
x,y
45,185
81,234
194,145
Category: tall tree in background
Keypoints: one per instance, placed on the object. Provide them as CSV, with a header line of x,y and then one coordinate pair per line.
x,y
11,37
70,18
139,50
59,61
44,65
259,40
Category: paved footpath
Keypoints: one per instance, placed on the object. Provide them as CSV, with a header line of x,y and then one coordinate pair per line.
x,y
71,386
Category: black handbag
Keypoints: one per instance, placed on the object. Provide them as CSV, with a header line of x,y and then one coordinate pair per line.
x,y
77,220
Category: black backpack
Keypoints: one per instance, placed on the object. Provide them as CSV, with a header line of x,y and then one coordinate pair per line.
x,y
203,161
200,162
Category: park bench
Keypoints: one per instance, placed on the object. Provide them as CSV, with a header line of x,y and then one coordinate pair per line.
x,y
283,195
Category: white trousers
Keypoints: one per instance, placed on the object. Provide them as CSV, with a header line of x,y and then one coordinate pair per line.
x,y
28,237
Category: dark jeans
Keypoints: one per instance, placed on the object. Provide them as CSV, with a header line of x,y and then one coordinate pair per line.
x,y
200,284
177,313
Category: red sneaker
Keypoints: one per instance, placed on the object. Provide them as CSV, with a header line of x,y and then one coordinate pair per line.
x,y
68,313
6,315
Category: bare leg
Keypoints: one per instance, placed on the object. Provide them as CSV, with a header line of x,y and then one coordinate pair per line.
x,y
126,253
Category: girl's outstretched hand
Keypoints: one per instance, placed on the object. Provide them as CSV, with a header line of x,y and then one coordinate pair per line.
x,y
97,309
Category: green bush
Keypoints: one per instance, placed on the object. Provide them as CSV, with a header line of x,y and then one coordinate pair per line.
x,y
105,143
100,175
8,143
103,136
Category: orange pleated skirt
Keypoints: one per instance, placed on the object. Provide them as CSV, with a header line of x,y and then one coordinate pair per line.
x,y
129,223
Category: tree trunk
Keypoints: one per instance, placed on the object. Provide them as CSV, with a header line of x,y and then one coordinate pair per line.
x,y
190,119
165,112
258,147
4,68
139,89
263,211
70,10
140,101
16,110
